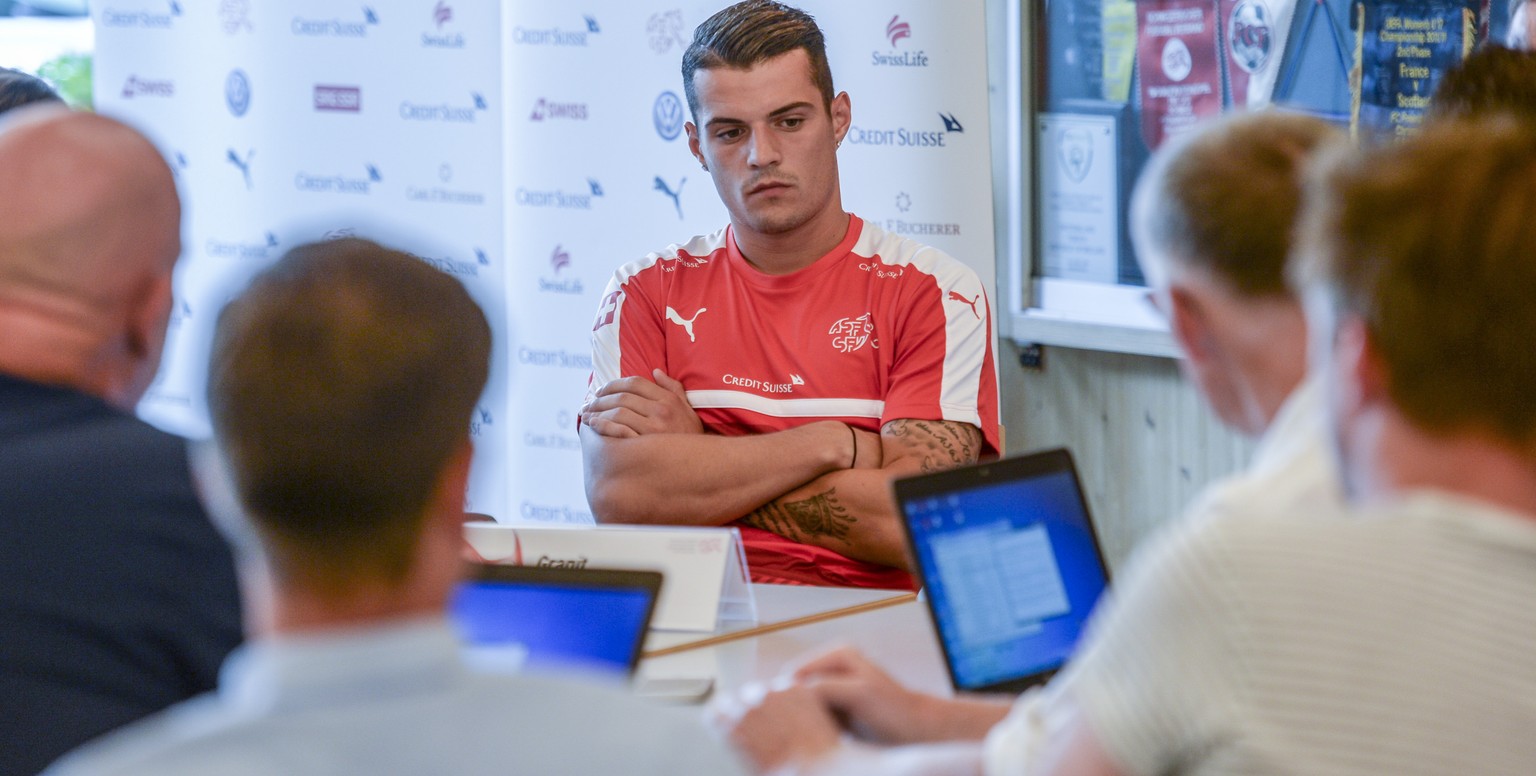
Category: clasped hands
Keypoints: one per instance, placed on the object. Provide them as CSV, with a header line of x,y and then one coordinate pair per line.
x,y
798,722
635,406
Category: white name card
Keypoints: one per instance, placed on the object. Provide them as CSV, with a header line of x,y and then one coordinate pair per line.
x,y
704,569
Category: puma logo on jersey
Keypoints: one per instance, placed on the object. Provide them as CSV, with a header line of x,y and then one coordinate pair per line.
x,y
686,323
955,296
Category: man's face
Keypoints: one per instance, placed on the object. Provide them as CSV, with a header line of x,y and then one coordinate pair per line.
x,y
769,142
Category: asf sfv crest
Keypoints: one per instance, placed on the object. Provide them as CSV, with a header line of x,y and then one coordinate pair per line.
x,y
1074,147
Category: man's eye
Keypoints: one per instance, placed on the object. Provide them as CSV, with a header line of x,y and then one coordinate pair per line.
x,y
728,134
792,122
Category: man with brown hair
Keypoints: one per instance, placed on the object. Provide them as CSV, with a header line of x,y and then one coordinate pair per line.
x,y
117,596
340,391
1395,639
1492,79
778,373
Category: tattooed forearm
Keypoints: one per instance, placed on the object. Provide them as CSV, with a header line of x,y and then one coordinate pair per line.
x,y
937,444
821,515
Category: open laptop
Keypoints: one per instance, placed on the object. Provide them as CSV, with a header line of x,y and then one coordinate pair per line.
x,y
562,619
1010,565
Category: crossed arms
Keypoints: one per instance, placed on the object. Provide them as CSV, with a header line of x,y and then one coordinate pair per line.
x,y
648,460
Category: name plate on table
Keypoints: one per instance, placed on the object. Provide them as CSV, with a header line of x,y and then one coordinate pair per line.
x,y
704,569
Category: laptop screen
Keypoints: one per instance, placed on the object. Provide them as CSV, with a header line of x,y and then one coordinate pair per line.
x,y
514,618
1010,565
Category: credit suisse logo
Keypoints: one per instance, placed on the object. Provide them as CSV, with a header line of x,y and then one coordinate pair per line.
x,y
452,266
156,16
136,87
442,35
258,249
338,99
562,199
352,27
907,137
898,33
452,113
338,183
557,35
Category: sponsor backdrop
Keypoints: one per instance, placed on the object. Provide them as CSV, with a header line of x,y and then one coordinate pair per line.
x,y
528,148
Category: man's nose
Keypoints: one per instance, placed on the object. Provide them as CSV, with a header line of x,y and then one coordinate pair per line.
x,y
764,149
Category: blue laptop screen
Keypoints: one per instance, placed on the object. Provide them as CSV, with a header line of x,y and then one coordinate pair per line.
x,y
1012,572
553,626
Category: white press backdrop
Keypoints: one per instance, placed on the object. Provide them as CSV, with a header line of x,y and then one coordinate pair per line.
x,y
529,148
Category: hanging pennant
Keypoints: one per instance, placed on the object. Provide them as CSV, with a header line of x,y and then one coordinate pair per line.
x,y
1255,33
1402,48
1178,65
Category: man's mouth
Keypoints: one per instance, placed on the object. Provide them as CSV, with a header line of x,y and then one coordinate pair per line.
x,y
767,186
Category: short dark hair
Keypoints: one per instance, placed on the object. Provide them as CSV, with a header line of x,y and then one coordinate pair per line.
x,y
1224,199
18,89
1427,242
341,383
1492,79
750,32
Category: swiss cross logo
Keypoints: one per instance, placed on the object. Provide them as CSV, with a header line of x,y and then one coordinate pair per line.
x,y
850,334
607,310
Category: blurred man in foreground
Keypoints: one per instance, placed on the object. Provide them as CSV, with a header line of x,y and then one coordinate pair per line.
x,y
1212,218
117,596
1392,640
340,391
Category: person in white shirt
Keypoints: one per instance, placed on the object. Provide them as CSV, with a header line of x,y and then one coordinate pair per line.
x,y
1212,216
340,392
1394,639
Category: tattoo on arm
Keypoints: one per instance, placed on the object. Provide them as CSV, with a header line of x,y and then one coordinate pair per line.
x,y
821,515
938,444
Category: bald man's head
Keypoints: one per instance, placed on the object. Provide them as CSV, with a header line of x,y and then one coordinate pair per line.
x,y
90,234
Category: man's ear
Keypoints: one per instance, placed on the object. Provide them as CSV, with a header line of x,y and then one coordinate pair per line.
x,y
1190,324
693,143
150,315
1359,364
842,115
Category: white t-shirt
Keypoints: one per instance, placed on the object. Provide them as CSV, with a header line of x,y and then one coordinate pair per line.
x,y
1396,640
1292,472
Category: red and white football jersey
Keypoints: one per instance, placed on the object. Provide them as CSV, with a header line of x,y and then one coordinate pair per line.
x,y
881,328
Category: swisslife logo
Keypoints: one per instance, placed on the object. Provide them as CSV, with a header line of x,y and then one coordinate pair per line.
x,y
934,135
898,33
443,33
559,261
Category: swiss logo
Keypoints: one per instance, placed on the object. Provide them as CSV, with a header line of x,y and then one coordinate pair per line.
x,y
851,334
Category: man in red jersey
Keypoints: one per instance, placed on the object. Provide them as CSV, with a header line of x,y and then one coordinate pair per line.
x,y
780,372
